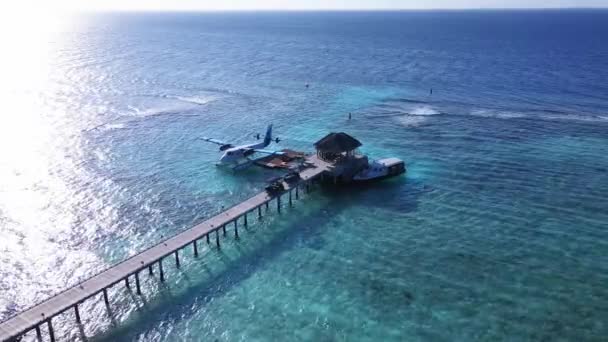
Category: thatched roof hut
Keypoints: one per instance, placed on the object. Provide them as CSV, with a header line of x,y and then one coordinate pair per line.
x,y
337,143
335,146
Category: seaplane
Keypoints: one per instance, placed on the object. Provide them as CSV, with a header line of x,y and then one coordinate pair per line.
x,y
240,157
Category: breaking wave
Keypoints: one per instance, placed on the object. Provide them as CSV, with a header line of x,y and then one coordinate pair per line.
x,y
547,115
424,111
417,116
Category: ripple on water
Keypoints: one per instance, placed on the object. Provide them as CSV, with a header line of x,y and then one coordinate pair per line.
x,y
497,232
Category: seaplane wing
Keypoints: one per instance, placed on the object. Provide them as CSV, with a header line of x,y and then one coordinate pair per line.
x,y
268,151
223,145
215,141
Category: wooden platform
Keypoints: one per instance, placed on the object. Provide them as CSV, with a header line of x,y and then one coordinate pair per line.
x,y
283,161
42,313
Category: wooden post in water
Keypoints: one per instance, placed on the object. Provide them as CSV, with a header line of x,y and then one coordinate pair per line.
x,y
260,211
150,270
77,313
105,298
279,203
224,230
236,230
267,205
137,283
290,202
195,248
245,218
217,238
297,188
127,282
207,236
160,270
177,258
51,331
38,333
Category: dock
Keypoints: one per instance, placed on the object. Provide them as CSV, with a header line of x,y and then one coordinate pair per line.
x,y
285,160
335,160
40,315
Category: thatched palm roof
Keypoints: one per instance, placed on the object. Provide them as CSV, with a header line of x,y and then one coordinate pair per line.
x,y
337,143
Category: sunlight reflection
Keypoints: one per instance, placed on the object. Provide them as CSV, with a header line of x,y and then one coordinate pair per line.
x,y
39,160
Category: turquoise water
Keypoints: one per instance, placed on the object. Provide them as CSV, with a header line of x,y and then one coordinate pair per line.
x,y
497,232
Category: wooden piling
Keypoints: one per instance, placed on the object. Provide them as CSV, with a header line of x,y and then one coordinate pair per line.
x,y
266,206
127,284
105,298
207,236
245,217
38,333
51,331
137,283
297,193
259,211
77,313
224,230
150,270
160,270
177,258
290,202
217,238
195,245
236,230
279,203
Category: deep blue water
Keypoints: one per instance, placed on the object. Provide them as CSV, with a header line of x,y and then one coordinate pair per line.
x,y
499,231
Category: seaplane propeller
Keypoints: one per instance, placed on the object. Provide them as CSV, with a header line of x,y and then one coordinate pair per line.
x,y
258,137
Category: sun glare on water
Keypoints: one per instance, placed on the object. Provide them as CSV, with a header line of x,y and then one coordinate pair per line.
x,y
36,147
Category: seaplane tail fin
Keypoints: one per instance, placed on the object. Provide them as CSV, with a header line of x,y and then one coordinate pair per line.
x,y
268,136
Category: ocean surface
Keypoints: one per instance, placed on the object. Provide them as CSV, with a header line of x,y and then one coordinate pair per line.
x,y
498,232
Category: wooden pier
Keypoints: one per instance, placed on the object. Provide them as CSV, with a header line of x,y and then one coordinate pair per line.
x,y
41,315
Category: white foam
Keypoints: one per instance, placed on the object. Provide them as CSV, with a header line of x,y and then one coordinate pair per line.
x,y
151,105
416,116
411,120
576,117
157,110
424,110
488,113
199,100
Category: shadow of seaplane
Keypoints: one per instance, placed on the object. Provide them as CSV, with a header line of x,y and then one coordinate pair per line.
x,y
239,157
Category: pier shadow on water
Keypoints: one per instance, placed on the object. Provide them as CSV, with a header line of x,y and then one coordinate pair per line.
x,y
303,229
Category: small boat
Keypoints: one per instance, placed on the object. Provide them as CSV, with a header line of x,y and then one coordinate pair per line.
x,y
379,169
